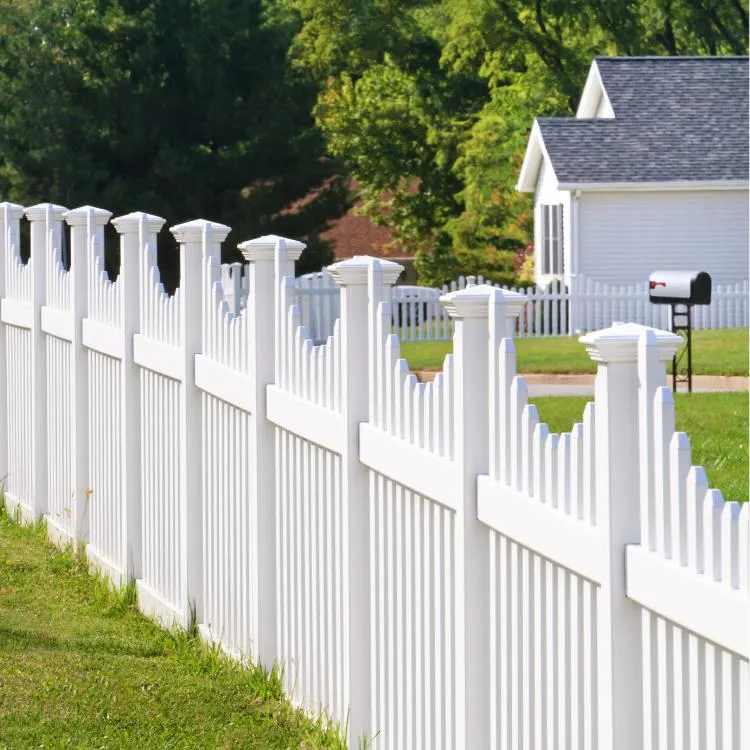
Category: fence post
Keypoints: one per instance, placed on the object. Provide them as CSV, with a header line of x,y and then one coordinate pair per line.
x,y
87,226
513,305
619,643
44,219
10,216
352,276
572,294
136,230
382,275
263,254
197,238
471,308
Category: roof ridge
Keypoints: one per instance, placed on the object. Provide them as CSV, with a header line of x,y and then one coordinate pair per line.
x,y
573,118
670,58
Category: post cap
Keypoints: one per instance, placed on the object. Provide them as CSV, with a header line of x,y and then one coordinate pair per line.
x,y
192,231
13,210
473,301
129,223
77,217
355,271
264,248
619,343
514,302
39,212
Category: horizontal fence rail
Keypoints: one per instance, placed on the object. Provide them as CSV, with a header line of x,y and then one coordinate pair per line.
x,y
430,565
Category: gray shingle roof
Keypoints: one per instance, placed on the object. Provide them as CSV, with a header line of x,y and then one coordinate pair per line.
x,y
676,119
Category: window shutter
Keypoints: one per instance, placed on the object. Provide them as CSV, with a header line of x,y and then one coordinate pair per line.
x,y
558,245
555,233
551,255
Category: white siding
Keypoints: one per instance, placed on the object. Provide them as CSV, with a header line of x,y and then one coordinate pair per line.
x,y
604,108
547,193
625,236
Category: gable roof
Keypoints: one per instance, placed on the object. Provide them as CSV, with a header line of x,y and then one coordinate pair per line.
x,y
675,120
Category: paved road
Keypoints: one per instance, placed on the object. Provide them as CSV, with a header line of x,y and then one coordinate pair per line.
x,y
543,384
557,389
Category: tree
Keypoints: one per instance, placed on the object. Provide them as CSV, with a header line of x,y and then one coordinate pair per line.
x,y
183,108
430,111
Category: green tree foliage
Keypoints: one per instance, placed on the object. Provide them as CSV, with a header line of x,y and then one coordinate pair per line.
x,y
254,112
429,103
184,108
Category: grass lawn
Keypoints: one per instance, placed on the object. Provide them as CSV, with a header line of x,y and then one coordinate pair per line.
x,y
719,352
81,668
716,423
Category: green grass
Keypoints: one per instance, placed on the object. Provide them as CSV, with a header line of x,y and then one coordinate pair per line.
x,y
716,423
720,352
81,668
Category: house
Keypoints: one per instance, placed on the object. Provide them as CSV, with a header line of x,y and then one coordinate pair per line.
x,y
651,173
356,234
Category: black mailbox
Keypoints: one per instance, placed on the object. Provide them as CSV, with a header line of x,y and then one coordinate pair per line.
x,y
679,288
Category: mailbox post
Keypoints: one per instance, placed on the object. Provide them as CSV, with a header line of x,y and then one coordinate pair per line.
x,y
681,290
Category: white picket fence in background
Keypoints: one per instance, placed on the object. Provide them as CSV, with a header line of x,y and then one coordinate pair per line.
x,y
430,564
418,314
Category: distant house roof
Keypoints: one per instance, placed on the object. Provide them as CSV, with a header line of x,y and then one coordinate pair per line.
x,y
664,120
353,233
356,234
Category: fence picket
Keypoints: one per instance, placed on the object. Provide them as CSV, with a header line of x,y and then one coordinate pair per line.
x,y
531,435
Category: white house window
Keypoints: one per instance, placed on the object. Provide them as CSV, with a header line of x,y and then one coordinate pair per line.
x,y
552,239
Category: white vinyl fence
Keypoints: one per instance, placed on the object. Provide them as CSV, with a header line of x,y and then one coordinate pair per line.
x,y
418,314
430,564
